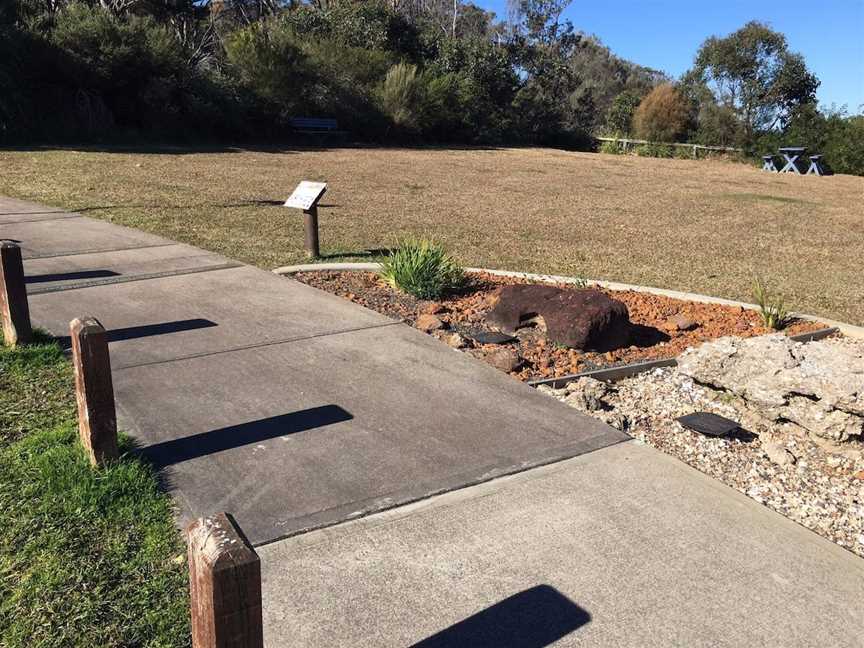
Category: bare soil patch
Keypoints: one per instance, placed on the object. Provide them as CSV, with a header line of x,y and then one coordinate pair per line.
x,y
699,226
654,335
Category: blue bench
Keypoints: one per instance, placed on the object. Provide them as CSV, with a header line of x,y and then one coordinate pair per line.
x,y
314,125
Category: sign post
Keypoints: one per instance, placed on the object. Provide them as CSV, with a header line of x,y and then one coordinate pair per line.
x,y
306,197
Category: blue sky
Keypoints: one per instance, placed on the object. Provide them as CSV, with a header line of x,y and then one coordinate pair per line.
x,y
665,34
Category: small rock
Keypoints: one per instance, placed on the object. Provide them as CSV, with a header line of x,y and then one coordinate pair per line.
x,y
682,323
616,419
435,308
454,340
777,453
503,358
428,322
492,337
586,394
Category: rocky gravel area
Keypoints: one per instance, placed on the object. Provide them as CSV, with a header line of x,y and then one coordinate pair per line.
x,y
814,482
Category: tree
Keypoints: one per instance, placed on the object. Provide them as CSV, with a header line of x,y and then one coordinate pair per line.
x,y
603,76
541,20
619,118
753,73
663,116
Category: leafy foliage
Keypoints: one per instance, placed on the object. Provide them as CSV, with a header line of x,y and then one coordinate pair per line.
x,y
753,73
401,96
619,117
422,268
663,115
610,148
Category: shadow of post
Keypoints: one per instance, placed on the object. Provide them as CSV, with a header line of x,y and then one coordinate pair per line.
x,y
70,276
148,330
167,453
534,618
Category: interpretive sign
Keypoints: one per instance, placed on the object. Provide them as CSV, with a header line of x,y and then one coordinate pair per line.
x,y
306,195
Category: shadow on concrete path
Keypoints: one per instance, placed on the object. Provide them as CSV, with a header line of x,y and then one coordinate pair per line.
x,y
175,451
147,330
70,276
534,618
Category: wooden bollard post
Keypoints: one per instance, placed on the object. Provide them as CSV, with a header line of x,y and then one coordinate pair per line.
x,y
224,586
310,225
14,309
94,390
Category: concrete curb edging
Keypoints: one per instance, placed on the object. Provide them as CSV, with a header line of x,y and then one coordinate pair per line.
x,y
847,329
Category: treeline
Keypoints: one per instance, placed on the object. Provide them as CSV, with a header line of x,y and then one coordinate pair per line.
x,y
235,69
408,71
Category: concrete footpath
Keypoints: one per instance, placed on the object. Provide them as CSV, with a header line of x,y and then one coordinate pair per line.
x,y
284,405
295,410
624,546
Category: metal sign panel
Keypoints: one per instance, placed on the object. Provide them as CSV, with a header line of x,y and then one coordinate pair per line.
x,y
306,195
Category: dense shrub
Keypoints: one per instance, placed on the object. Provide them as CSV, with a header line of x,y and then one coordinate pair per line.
x,y
126,71
655,150
663,115
619,118
402,96
422,268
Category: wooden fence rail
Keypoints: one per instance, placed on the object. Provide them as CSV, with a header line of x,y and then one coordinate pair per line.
x,y
625,143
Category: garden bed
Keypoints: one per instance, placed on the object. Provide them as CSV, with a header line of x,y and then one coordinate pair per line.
x,y
655,333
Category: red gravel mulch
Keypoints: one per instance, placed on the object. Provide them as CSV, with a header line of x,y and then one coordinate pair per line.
x,y
654,335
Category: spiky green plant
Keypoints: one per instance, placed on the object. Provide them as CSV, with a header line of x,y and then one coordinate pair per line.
x,y
422,268
772,308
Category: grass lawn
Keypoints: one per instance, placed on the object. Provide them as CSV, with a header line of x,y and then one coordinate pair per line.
x,y
705,226
87,558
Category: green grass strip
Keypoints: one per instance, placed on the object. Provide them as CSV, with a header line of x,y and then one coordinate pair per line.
x,y
87,557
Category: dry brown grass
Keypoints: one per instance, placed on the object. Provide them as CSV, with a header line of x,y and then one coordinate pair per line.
x,y
705,226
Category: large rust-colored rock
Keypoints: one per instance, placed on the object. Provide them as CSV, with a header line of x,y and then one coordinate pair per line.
x,y
581,319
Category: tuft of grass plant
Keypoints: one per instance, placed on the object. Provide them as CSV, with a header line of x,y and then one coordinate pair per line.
x,y
422,268
772,308
610,148
87,557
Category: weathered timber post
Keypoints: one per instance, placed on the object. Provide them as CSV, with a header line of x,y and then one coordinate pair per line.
x,y
306,197
224,585
94,390
310,225
14,309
